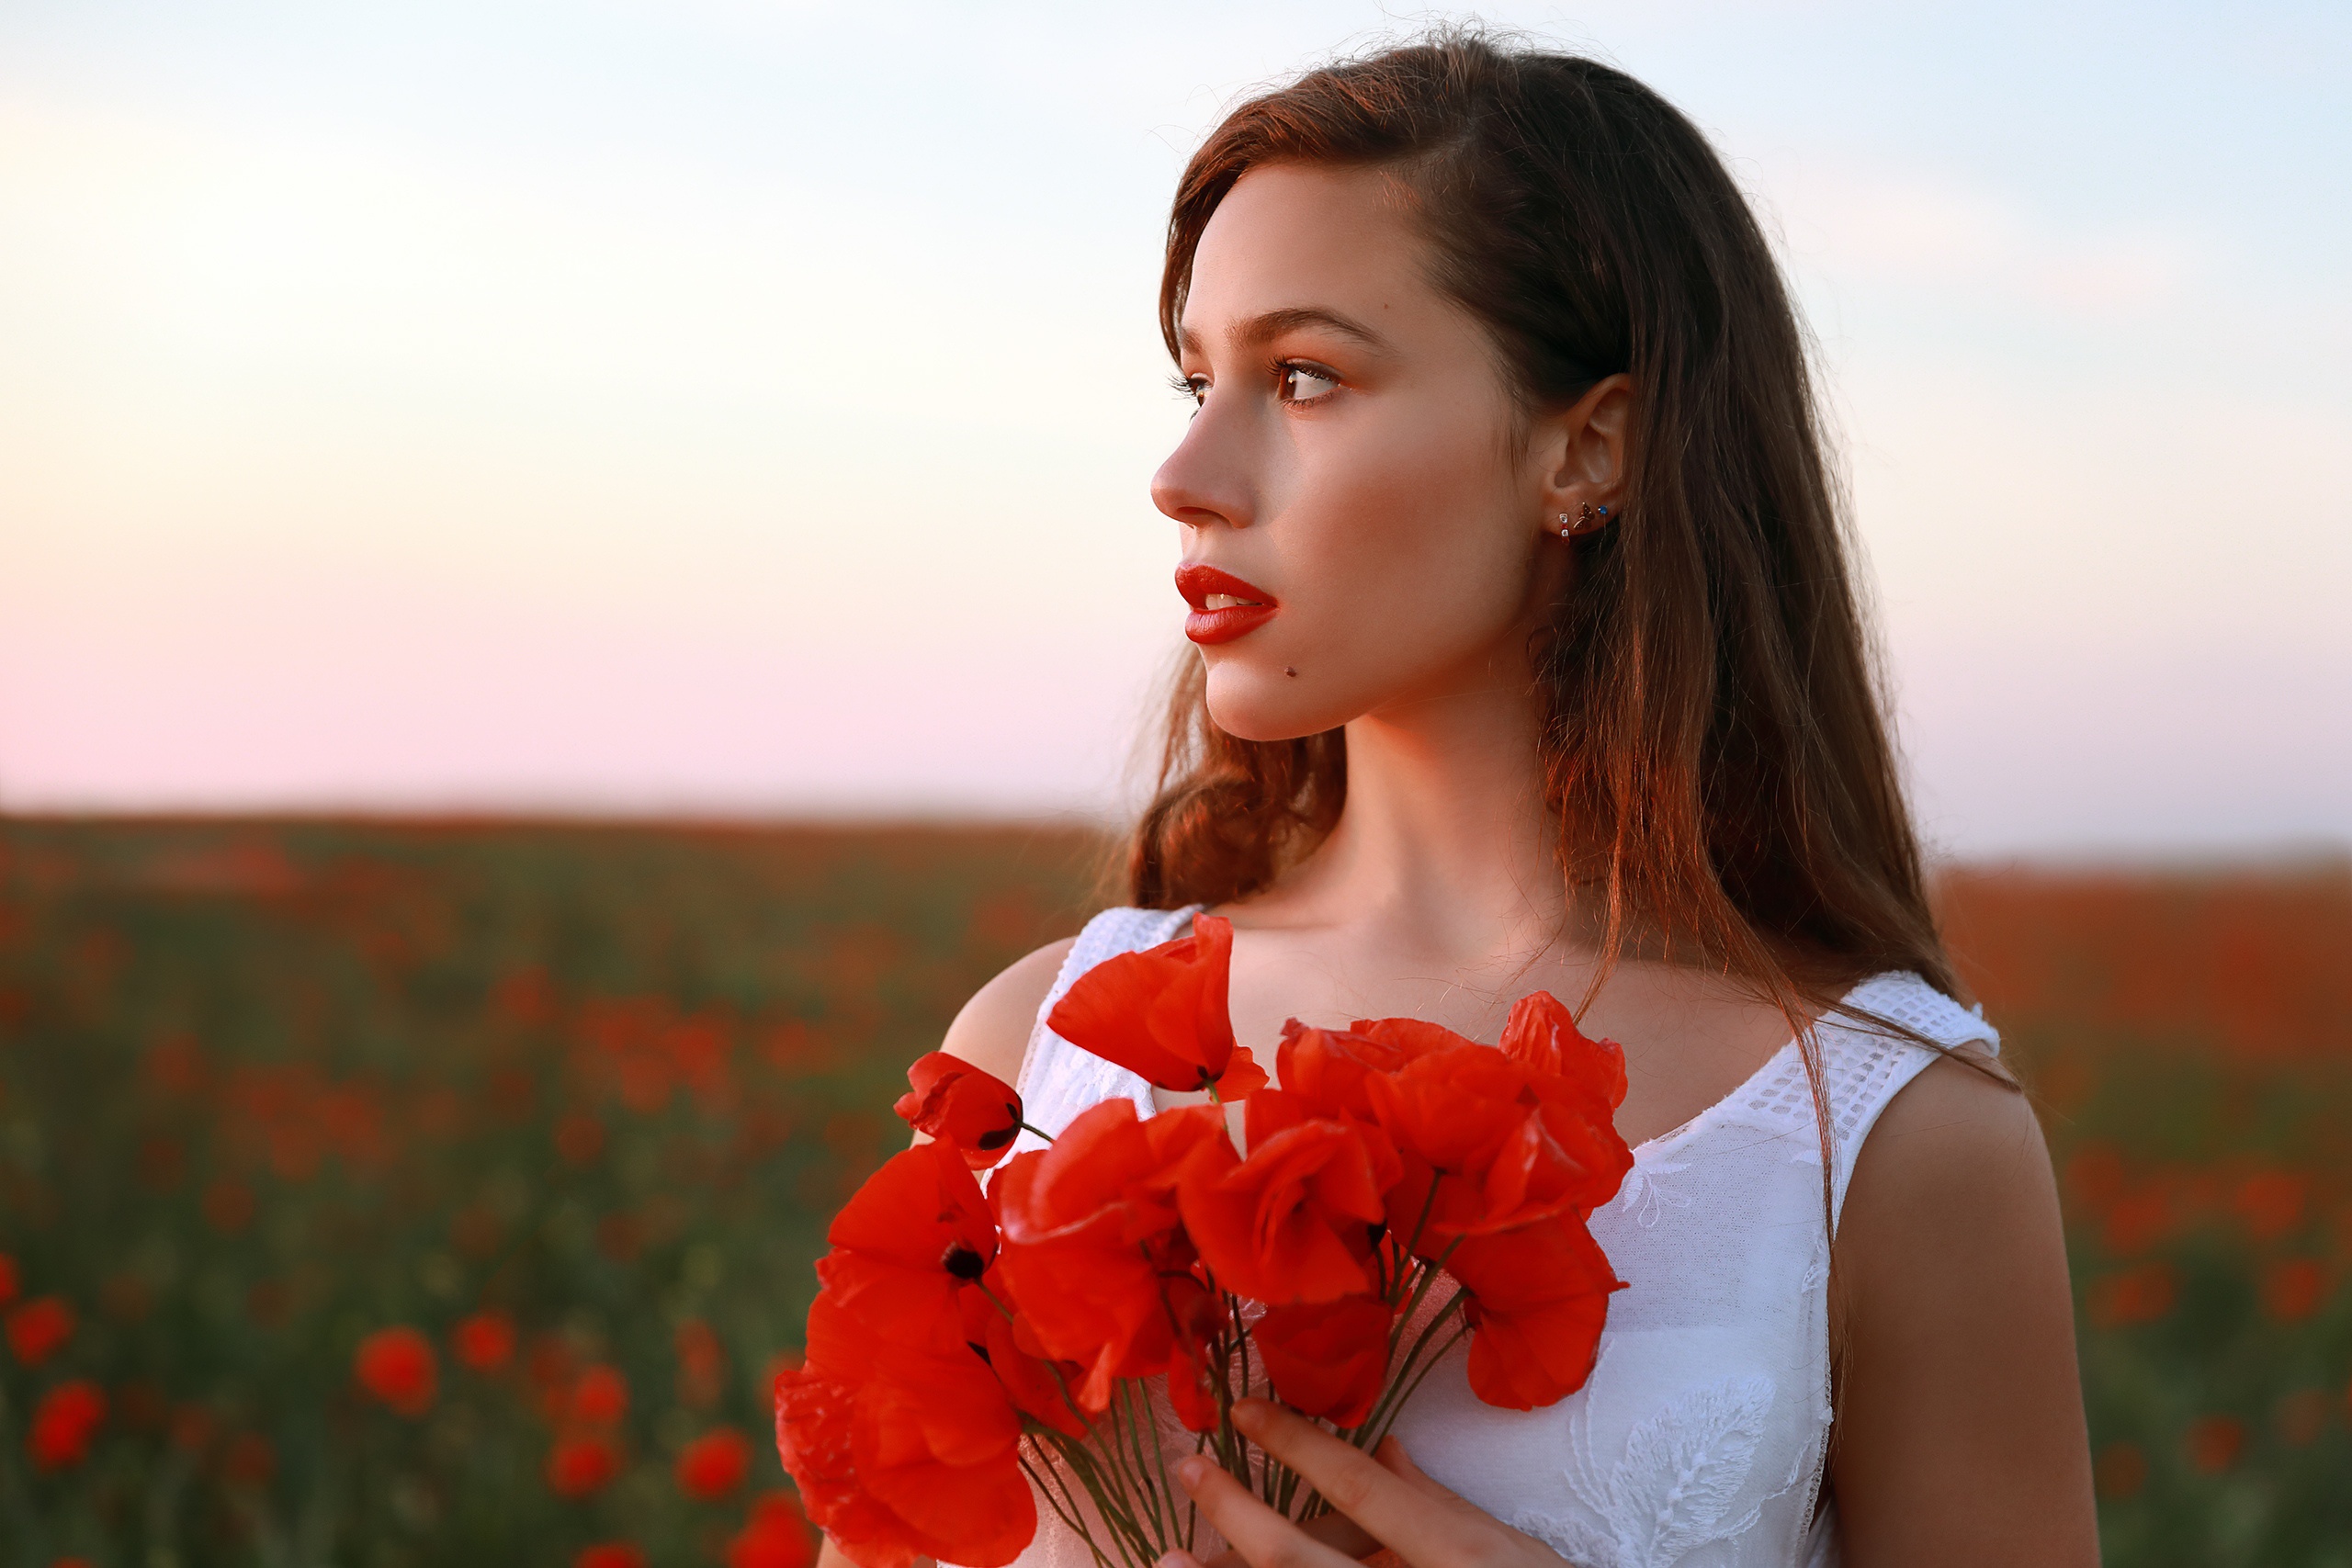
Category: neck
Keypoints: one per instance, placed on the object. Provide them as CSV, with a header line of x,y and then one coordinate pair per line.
x,y
1445,839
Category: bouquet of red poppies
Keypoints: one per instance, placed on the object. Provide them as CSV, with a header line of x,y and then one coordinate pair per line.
x,y
971,1352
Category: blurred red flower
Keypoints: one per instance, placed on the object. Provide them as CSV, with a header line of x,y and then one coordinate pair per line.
x,y
1327,1361
40,1328
951,1100
248,1461
2121,1471
580,1138
398,1366
228,1205
601,1396
2271,1202
714,1464
1162,1014
582,1463
610,1554
2214,1442
8,1285
702,1363
2133,1296
63,1422
776,1536
484,1341
2293,1289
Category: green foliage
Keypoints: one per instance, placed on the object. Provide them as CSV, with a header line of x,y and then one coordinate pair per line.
x,y
265,1091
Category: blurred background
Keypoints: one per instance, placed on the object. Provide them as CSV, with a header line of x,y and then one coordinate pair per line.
x,y
572,578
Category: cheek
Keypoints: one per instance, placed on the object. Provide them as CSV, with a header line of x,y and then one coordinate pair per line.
x,y
1407,561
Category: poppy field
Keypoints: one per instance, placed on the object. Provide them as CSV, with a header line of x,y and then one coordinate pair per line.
x,y
381,1194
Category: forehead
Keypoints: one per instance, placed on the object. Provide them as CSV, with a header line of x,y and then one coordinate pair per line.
x,y
1291,236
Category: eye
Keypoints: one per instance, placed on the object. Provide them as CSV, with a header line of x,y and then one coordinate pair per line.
x,y
1195,387
1306,383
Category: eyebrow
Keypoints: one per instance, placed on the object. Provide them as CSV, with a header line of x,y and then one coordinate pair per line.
x,y
1270,325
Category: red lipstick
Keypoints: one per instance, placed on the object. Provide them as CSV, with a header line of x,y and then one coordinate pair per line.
x,y
1197,583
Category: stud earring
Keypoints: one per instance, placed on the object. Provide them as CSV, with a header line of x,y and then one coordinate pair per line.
x,y
1588,518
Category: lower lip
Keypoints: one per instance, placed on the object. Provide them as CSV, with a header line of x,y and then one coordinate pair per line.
x,y
1206,627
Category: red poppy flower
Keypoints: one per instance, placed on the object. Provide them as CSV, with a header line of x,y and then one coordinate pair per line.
x,y
582,1463
484,1341
1293,1221
1507,1147
714,1464
1542,1034
610,1554
1162,1014
398,1366
1089,1226
1197,1319
958,1103
1032,1381
600,1398
776,1536
1328,1360
40,1328
1538,1298
908,1244
896,1471
65,1421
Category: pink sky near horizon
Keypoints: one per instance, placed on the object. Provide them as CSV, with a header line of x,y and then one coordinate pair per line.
x,y
434,410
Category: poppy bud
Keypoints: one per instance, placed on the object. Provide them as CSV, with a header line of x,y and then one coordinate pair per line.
x,y
960,1104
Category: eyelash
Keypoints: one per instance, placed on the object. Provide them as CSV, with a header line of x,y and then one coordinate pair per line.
x,y
1196,387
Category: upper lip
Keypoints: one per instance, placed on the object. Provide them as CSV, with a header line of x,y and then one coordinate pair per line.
x,y
1196,580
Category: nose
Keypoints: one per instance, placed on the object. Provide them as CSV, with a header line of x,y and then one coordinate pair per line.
x,y
1207,479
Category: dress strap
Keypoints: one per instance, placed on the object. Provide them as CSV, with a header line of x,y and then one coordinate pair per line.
x,y
1057,1079
1866,1065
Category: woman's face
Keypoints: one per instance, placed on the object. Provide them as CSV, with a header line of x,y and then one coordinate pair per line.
x,y
1363,529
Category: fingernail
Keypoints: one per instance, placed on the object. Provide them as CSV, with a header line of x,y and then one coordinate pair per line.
x,y
1173,1560
1189,1470
1250,1414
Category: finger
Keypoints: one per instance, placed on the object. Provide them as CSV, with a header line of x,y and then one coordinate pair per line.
x,y
1396,1461
1337,1531
1263,1536
1420,1524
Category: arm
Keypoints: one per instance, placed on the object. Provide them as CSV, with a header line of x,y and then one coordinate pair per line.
x,y
992,1034
992,1031
1960,1437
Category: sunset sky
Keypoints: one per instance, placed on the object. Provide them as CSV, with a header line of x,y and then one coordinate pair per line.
x,y
738,408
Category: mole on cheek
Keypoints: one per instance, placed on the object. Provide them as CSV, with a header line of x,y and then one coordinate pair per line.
x,y
1288,671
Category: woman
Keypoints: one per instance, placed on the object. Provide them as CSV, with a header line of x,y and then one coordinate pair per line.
x,y
1530,658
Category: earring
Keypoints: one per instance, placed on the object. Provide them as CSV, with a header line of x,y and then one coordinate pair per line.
x,y
1588,517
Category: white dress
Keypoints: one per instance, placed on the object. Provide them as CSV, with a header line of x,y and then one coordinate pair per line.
x,y
1699,1440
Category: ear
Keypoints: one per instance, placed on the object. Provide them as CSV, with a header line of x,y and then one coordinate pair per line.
x,y
1580,454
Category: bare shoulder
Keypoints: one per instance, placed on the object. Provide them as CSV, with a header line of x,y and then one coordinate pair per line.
x,y
1952,1131
992,1031
1960,1435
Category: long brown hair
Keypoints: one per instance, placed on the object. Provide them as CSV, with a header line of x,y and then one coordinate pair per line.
x,y
1713,738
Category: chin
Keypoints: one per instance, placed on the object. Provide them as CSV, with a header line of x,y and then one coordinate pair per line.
x,y
1252,703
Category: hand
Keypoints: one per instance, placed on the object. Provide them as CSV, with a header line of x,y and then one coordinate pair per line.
x,y
1383,1493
